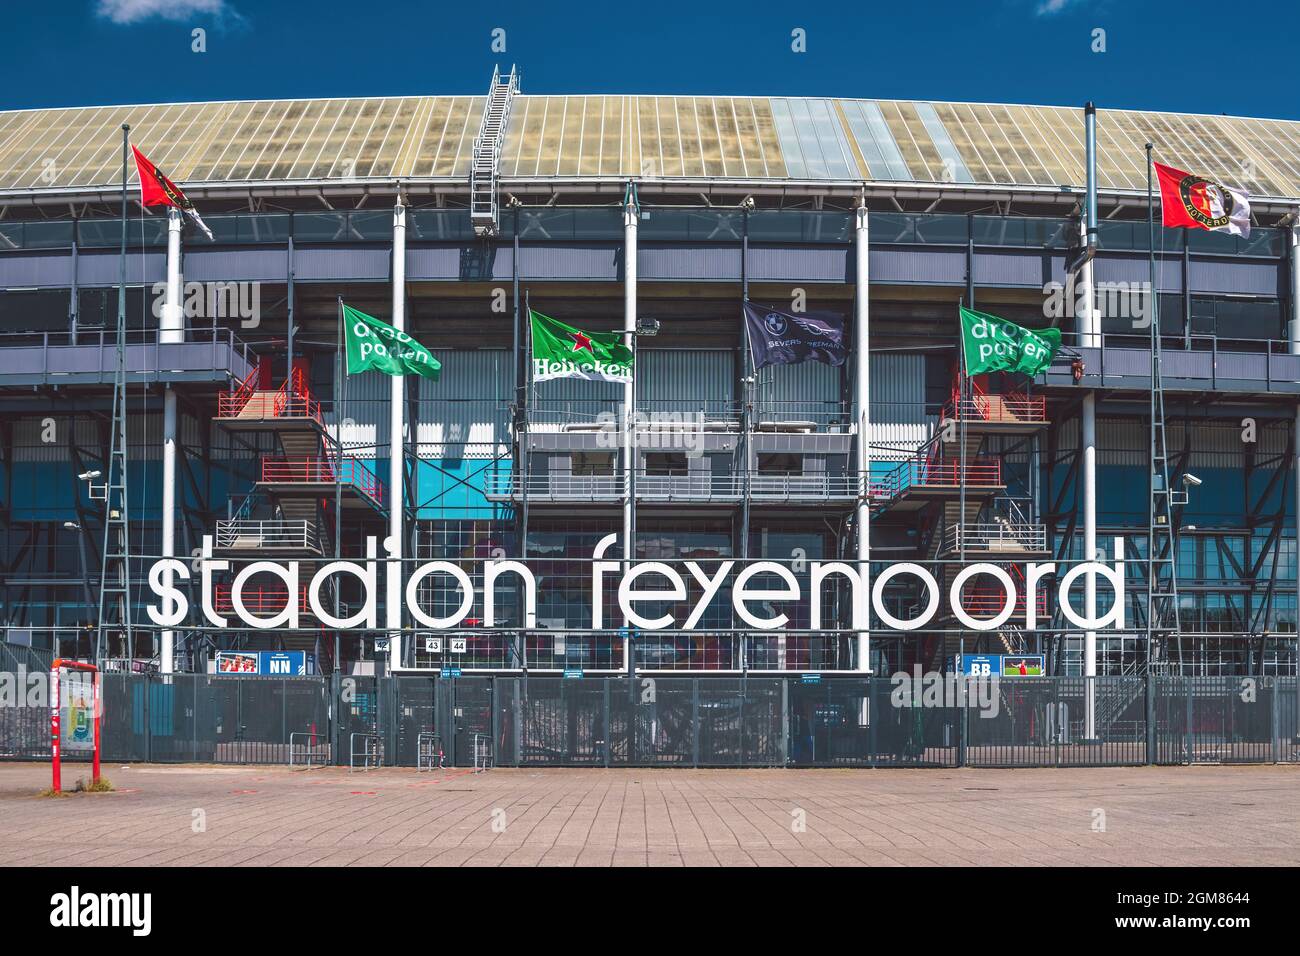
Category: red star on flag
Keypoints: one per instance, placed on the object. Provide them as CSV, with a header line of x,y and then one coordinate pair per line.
x,y
580,342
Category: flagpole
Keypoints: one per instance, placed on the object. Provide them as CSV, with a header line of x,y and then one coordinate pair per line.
x,y
1154,318
522,437
748,381
341,377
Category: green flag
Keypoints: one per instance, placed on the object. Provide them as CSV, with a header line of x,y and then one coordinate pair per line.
x,y
992,344
561,351
372,344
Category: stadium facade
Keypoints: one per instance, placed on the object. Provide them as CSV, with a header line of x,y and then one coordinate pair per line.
x,y
451,216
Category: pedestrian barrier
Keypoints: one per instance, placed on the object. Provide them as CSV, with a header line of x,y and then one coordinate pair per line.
x,y
369,748
309,749
479,722
482,753
429,754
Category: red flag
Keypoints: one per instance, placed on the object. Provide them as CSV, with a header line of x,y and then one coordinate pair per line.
x,y
1198,203
157,190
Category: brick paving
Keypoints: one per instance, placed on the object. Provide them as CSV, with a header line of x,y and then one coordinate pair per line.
x,y
271,816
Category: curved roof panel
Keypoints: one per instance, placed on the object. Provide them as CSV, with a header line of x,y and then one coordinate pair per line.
x,y
667,137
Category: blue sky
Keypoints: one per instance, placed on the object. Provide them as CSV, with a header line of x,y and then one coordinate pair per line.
x,y
1165,56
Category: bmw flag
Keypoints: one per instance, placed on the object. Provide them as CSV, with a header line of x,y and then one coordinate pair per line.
x,y
779,338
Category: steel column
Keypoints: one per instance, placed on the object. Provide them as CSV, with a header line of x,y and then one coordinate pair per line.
x,y
631,214
862,414
172,329
1294,330
1088,326
396,448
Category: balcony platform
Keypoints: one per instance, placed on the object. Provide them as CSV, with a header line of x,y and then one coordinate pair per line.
x,y
1029,540
315,478
209,357
812,490
270,410
269,537
1209,366
983,414
914,484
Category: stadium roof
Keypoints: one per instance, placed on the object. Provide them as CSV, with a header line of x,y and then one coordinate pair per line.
x,y
585,138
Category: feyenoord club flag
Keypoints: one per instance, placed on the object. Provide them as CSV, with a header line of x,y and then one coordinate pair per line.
x,y
1198,203
371,344
561,351
780,338
991,344
157,190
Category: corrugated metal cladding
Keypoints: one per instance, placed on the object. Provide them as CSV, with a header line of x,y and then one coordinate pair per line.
x,y
1213,444
366,408
800,264
462,415
568,261
465,413
334,262
226,265
899,424
19,270
809,391
686,380
102,268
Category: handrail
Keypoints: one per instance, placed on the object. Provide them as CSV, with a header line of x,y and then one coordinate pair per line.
x,y
267,533
656,485
309,745
350,471
372,752
269,599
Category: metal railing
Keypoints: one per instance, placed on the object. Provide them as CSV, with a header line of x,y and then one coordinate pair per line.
x,y
1113,359
656,486
920,473
369,748
482,753
996,536
275,533
309,749
270,600
667,223
998,409
705,413
350,471
429,754
57,356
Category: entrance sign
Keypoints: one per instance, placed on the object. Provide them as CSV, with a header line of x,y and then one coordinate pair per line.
x,y
766,595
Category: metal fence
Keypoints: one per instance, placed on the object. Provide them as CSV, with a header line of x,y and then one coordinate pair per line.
x,y
762,721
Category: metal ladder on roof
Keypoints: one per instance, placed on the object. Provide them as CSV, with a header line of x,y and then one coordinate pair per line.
x,y
483,208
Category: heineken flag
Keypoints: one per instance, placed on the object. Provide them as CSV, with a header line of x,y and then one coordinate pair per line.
x,y
561,351
783,338
372,344
992,344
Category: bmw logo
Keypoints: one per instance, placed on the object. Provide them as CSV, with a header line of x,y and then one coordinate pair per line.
x,y
775,323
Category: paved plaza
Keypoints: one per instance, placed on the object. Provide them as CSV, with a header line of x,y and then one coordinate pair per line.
x,y
269,816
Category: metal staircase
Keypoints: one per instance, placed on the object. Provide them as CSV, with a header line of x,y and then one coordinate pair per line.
x,y
290,510
483,211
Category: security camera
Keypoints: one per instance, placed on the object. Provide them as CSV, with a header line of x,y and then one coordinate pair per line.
x,y
89,475
748,202
72,526
1190,479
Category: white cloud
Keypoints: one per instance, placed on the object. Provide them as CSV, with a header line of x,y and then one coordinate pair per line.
x,y
135,11
1049,7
